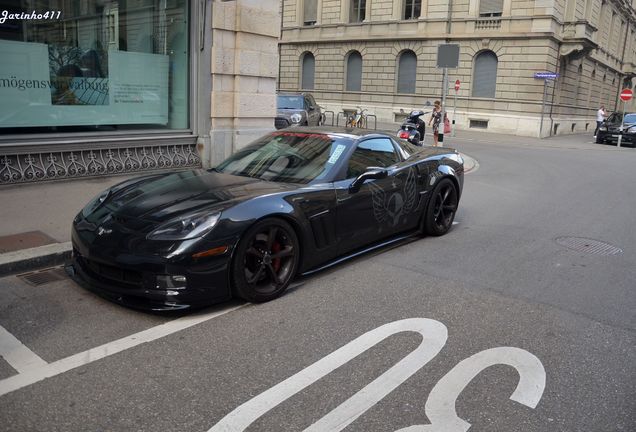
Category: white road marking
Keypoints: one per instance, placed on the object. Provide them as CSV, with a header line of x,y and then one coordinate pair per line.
x,y
440,405
17,354
434,335
47,370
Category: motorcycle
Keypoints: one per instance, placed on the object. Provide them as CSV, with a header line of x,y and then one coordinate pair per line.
x,y
413,128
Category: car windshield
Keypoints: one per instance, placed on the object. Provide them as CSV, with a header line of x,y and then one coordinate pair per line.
x,y
290,157
290,102
630,118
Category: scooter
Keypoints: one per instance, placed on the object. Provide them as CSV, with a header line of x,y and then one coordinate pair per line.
x,y
413,128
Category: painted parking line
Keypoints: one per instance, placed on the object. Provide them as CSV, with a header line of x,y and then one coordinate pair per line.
x,y
17,354
38,372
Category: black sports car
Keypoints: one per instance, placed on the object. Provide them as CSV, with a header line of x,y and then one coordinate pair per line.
x,y
610,130
290,203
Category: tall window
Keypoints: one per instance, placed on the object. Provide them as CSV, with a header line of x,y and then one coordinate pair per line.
x,y
358,10
412,9
490,8
485,75
407,68
308,71
354,71
310,12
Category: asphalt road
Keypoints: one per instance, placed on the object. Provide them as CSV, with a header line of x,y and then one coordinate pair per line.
x,y
438,330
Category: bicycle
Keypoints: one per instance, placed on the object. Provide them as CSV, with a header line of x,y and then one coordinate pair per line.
x,y
357,119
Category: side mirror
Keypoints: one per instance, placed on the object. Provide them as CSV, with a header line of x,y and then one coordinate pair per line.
x,y
372,173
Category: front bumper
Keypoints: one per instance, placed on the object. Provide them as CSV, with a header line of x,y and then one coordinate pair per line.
x,y
629,140
130,279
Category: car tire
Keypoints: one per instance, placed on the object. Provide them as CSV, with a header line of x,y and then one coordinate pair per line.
x,y
265,261
599,140
441,209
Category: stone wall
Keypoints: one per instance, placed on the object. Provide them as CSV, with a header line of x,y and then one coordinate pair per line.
x,y
244,70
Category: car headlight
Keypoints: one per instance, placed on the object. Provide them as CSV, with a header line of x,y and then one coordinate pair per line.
x,y
631,130
602,128
188,227
296,118
95,203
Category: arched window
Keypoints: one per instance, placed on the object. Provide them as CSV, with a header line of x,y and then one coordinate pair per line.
x,y
485,75
354,71
407,68
308,71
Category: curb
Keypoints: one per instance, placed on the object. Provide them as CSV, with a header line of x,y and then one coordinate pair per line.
x,y
30,259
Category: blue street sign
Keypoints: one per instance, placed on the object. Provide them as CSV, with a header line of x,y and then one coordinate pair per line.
x,y
546,75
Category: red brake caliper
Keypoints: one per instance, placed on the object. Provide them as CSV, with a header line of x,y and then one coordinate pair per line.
x,y
276,261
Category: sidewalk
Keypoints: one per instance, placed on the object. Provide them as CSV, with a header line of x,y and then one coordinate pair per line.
x,y
36,218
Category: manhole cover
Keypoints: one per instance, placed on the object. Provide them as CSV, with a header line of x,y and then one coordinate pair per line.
x,y
44,276
581,244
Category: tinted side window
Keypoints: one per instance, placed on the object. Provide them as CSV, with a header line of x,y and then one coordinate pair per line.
x,y
408,149
377,152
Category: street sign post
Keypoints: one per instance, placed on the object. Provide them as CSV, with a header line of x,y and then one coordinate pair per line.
x,y
626,94
457,83
447,57
545,76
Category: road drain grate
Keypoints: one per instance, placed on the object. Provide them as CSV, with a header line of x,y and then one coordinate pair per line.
x,y
43,277
581,244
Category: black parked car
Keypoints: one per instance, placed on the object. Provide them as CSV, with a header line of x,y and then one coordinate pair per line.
x,y
293,202
297,109
610,130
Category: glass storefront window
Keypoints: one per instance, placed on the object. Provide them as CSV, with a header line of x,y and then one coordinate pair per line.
x,y
87,65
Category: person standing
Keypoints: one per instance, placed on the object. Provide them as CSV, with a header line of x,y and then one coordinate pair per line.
x,y
436,119
600,118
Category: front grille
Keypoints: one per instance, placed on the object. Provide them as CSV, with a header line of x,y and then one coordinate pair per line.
x,y
108,273
281,123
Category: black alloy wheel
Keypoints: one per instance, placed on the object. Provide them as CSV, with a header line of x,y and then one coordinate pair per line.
x,y
266,261
441,209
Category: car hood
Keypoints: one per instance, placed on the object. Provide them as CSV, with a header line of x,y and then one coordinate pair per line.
x,y
168,196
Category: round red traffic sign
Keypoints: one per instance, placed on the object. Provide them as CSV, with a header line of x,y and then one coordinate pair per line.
x,y
626,94
457,85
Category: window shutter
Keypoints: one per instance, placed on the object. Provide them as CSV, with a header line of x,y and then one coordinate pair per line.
x,y
311,11
354,71
485,78
487,7
407,68
309,66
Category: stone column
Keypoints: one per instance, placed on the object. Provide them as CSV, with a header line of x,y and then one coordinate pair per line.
x,y
244,70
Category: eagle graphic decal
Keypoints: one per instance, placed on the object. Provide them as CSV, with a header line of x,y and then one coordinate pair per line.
x,y
398,203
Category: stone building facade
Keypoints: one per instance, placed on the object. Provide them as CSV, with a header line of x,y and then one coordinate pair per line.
x,y
381,55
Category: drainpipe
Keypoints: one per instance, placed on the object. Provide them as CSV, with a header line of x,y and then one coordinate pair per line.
x,y
553,91
280,40
450,17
